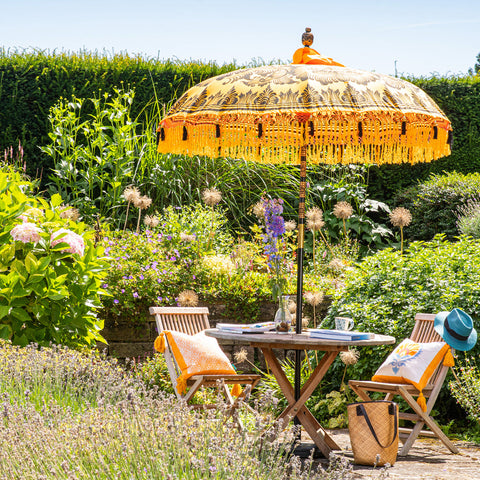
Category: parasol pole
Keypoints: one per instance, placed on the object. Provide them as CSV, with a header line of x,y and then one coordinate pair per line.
x,y
300,245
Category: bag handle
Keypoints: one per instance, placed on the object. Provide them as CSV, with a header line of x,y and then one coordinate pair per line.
x,y
362,412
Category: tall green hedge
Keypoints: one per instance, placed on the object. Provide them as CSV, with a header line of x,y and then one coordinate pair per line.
x,y
32,81
459,98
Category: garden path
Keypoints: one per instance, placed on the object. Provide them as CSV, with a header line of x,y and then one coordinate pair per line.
x,y
428,459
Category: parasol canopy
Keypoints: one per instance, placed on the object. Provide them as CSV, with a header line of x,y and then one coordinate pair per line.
x,y
266,114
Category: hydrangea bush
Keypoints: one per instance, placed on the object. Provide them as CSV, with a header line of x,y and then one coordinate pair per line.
x,y
51,272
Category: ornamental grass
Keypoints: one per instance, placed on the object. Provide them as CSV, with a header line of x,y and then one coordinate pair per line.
x,y
68,415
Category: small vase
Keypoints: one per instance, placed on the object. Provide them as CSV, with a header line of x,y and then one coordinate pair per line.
x,y
283,317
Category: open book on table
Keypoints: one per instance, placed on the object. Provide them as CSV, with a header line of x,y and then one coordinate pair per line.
x,y
246,328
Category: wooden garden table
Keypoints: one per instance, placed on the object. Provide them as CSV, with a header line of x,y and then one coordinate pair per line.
x,y
269,341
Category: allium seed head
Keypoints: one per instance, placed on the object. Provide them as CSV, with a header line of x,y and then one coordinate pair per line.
x,y
188,298
131,194
313,298
400,217
336,265
343,210
240,356
185,237
290,225
259,210
71,213
143,202
151,221
211,196
349,357
314,218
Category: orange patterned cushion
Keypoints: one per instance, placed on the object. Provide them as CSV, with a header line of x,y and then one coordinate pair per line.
x,y
196,355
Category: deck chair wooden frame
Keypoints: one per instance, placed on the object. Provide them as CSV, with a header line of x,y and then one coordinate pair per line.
x,y
423,332
192,320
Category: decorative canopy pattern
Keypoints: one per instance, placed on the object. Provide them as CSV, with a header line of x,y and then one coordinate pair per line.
x,y
343,115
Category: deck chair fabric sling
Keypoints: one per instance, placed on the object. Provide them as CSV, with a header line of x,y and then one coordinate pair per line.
x,y
423,332
192,321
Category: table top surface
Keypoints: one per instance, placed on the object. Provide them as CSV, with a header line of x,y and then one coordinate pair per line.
x,y
296,341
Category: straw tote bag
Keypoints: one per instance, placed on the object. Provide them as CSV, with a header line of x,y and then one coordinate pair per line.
x,y
373,428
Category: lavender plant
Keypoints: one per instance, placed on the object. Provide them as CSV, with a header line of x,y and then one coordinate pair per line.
x,y
124,431
466,386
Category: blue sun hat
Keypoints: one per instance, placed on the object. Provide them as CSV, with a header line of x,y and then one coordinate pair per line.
x,y
456,328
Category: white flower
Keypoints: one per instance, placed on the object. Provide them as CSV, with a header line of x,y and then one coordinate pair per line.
x,y
74,240
26,233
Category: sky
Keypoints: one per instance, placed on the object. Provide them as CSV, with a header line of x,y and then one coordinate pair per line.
x,y
407,37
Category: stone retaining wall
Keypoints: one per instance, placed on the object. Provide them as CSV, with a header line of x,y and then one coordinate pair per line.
x,y
136,341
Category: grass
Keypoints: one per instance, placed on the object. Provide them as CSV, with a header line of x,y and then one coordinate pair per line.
x,y
69,415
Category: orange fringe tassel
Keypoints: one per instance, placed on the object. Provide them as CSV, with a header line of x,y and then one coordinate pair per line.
x,y
330,140
448,360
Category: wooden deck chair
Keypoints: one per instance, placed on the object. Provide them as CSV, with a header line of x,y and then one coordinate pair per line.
x,y
423,332
193,320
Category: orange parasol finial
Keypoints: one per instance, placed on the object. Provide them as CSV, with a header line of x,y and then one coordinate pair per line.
x,y
310,56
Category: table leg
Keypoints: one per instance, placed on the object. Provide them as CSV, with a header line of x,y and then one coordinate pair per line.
x,y
297,407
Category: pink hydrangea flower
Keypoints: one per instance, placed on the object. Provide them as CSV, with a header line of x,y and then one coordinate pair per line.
x,y
74,240
26,232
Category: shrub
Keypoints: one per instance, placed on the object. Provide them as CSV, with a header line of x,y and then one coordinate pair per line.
x,y
466,387
94,158
387,289
368,223
469,219
147,269
50,270
434,203
208,227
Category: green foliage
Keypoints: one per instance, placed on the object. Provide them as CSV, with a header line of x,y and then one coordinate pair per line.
x,y
435,203
459,98
96,158
155,266
387,289
367,225
153,372
38,79
50,287
466,386
207,225
31,82
178,180
146,269
469,219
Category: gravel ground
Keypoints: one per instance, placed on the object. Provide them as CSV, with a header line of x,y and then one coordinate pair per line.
x,y
427,459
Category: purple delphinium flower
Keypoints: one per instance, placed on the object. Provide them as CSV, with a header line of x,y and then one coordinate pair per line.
x,y
274,229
